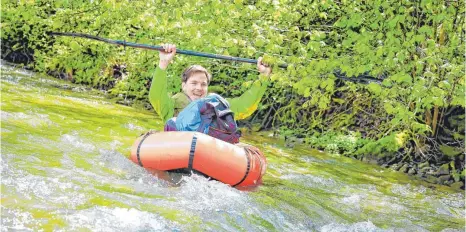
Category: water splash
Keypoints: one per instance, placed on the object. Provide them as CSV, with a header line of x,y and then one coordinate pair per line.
x,y
117,219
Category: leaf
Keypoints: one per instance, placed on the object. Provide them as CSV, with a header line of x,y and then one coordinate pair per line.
x,y
402,78
260,41
323,102
323,15
355,20
26,28
388,108
420,128
307,92
247,84
74,45
342,22
274,76
392,23
400,138
56,24
329,85
450,151
339,100
374,88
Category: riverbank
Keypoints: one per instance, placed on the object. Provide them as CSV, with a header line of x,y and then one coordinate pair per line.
x,y
447,170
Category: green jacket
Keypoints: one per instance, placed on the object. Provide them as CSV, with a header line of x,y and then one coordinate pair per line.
x,y
167,107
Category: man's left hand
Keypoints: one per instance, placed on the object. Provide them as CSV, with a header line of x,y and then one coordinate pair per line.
x,y
263,67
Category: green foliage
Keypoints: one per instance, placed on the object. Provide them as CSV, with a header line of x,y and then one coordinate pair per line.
x,y
386,144
336,143
418,46
450,151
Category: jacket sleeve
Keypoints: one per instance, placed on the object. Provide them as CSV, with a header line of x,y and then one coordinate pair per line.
x,y
158,95
244,105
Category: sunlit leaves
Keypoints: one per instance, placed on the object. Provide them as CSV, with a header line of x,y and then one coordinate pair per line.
x,y
388,108
402,78
374,88
74,45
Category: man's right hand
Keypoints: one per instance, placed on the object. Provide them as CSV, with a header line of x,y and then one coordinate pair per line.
x,y
165,57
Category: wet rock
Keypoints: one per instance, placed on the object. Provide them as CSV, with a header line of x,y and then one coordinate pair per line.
x,y
461,157
395,167
420,174
443,179
290,145
431,179
374,161
443,170
290,141
62,86
457,185
450,150
423,165
412,171
61,75
80,89
426,170
404,168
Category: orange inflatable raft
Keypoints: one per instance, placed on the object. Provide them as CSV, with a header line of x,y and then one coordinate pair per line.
x,y
239,165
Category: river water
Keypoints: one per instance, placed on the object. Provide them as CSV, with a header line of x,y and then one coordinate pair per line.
x,y
65,167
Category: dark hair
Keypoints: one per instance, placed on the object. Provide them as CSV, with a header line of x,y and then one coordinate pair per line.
x,y
195,69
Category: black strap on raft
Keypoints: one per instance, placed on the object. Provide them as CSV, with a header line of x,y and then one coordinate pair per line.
x,y
139,146
191,152
247,169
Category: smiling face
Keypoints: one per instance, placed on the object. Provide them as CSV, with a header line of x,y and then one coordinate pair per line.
x,y
196,86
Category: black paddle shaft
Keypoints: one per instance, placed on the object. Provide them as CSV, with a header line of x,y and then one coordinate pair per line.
x,y
160,48
364,78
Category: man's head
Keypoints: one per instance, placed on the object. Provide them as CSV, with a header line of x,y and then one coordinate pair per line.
x,y
195,81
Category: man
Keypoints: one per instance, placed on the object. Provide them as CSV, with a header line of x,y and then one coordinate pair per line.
x,y
195,82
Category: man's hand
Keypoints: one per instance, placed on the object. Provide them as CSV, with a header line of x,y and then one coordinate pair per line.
x,y
263,68
165,57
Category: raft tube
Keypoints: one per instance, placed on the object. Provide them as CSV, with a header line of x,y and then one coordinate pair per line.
x,y
239,165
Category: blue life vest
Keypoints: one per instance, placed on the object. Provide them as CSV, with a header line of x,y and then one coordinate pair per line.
x,y
209,115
